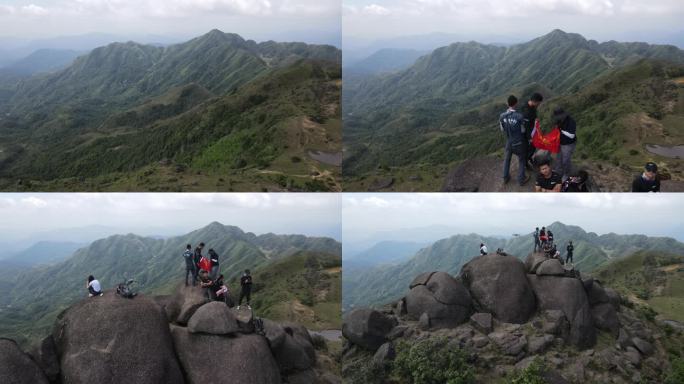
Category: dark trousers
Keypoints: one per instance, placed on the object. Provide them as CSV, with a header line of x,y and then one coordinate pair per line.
x,y
93,292
568,258
191,271
537,245
521,154
246,293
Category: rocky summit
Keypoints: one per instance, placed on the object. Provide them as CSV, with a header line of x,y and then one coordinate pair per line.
x,y
183,338
502,317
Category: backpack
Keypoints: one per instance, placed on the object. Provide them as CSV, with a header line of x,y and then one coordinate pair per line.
x,y
124,290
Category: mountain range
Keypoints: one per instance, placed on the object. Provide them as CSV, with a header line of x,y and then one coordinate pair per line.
x,y
217,112
414,124
383,284
157,266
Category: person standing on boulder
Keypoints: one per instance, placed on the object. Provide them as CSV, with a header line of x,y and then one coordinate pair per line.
x,y
570,248
196,258
214,258
529,113
648,181
483,249
568,142
190,267
542,236
246,288
94,287
511,124
549,235
537,242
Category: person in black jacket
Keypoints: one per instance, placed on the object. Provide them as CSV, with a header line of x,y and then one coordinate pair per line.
x,y
196,259
568,142
529,113
511,124
190,267
648,181
214,258
570,249
246,288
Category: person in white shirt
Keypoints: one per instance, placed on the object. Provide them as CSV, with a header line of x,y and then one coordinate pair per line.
x,y
483,249
94,288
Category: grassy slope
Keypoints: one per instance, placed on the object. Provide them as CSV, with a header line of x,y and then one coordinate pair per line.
x,y
653,278
304,288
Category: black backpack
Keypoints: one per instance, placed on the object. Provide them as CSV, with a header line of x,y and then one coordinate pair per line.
x,y
124,290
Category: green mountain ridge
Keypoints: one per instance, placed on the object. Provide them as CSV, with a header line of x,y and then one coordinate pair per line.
x,y
157,265
98,123
384,284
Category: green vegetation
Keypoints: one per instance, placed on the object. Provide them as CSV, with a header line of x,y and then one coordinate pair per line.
x,y
216,107
652,278
676,375
431,361
444,109
530,375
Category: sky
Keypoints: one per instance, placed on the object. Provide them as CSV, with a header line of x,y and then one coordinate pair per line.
x,y
29,215
510,21
405,216
254,19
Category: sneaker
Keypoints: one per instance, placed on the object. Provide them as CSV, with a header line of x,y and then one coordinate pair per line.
x,y
527,178
238,308
101,294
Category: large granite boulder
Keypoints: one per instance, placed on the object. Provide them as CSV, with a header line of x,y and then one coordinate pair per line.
x,y
45,355
444,299
225,359
187,300
533,261
296,353
214,318
567,294
498,285
605,318
110,339
16,367
367,328
551,267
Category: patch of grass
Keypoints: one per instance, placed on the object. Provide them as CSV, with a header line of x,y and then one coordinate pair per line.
x,y
432,361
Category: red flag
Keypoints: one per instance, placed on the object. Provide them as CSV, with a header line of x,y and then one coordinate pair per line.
x,y
205,264
549,141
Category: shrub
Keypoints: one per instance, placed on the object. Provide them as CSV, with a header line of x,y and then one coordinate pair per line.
x,y
530,375
431,361
676,374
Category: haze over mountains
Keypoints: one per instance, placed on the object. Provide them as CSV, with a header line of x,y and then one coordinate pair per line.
x,y
413,125
381,285
31,298
180,117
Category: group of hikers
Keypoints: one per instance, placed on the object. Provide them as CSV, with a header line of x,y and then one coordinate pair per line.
x,y
203,269
535,149
543,241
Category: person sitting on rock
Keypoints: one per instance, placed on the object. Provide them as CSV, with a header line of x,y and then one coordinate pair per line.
x,y
483,249
537,242
546,248
648,181
547,179
246,288
206,284
94,288
221,291
570,248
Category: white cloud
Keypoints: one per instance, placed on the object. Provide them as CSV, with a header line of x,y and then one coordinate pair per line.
x,y
34,202
374,9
